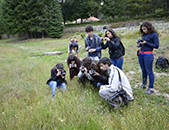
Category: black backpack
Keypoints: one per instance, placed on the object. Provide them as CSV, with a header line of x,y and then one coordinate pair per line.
x,y
162,63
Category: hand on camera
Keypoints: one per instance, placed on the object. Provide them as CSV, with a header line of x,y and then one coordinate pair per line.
x,y
143,42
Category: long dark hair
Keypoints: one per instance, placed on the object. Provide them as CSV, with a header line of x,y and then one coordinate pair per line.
x,y
112,32
73,58
94,65
149,27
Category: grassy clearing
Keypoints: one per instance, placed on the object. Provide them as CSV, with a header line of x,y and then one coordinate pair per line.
x,y
26,101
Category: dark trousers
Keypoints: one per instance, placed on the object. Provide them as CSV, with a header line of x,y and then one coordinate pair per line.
x,y
146,64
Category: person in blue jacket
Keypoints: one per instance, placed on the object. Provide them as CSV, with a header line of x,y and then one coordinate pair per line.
x,y
92,44
73,48
149,41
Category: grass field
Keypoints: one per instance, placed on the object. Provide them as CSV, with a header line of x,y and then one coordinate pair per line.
x,y
26,101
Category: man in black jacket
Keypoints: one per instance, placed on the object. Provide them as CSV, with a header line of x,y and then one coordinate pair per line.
x,y
57,78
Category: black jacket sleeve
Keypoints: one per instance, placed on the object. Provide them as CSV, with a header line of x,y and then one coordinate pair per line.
x,y
114,43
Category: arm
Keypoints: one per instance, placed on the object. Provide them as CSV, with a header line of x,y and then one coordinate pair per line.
x,y
155,43
86,44
99,47
113,81
70,51
102,79
54,74
114,44
104,46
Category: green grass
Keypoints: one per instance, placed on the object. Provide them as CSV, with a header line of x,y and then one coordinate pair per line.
x,y
26,101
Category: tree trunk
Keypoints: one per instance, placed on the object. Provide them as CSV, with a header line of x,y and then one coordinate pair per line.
x,y
81,20
42,34
164,5
167,5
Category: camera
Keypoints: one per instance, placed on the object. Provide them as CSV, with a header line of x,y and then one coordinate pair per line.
x,y
88,47
139,43
103,39
83,69
73,65
121,93
92,72
63,72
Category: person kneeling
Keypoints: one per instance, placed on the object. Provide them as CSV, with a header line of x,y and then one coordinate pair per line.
x,y
118,90
57,78
84,74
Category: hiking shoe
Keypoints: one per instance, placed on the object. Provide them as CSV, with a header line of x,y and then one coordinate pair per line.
x,y
143,86
149,91
53,95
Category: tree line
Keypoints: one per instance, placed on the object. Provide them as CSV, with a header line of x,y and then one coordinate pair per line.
x,y
41,17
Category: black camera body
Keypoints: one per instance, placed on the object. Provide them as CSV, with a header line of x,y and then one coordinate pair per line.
x,y
121,93
139,42
88,47
63,72
103,39
83,69
92,72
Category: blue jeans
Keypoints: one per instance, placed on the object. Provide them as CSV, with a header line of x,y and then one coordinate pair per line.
x,y
146,64
117,62
54,85
99,84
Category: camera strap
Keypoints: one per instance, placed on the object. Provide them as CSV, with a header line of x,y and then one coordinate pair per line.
x,y
120,80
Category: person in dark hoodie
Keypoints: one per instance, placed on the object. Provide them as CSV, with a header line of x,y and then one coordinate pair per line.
x,y
57,78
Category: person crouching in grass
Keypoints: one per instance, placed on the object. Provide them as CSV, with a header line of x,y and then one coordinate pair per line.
x,y
57,78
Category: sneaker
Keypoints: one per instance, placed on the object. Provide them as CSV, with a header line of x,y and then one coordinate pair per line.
x,y
53,95
149,91
143,86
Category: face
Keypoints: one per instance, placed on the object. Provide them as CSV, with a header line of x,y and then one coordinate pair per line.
x,y
144,30
109,34
59,70
73,62
90,33
104,67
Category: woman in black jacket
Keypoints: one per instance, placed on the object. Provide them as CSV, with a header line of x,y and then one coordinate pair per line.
x,y
100,77
57,78
116,48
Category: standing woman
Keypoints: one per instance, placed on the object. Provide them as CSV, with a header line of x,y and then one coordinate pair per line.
x,y
149,41
116,48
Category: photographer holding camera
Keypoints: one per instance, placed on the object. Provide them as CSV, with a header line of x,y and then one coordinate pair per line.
x,y
84,74
145,55
116,48
57,78
100,77
118,90
74,65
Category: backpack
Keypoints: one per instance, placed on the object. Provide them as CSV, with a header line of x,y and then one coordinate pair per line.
x,y
162,63
122,48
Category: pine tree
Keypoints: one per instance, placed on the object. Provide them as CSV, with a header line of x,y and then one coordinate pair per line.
x,y
55,28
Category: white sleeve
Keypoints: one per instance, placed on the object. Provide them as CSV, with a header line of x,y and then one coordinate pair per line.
x,y
80,74
89,76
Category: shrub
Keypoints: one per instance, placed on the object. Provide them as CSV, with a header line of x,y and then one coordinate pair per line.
x,y
100,34
82,35
77,33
